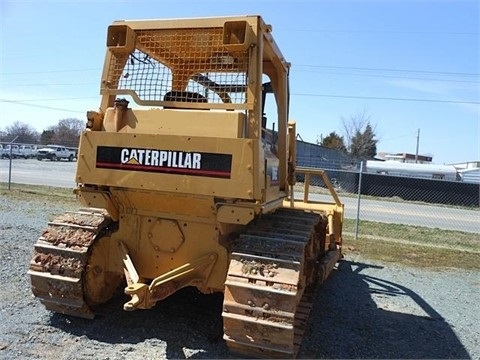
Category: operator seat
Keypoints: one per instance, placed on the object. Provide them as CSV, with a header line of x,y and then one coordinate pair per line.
x,y
184,96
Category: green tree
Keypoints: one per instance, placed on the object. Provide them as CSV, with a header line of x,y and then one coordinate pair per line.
x,y
47,136
334,141
361,141
364,144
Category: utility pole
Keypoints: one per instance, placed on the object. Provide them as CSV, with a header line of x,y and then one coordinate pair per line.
x,y
418,142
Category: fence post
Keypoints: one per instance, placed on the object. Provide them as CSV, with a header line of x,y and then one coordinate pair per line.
x,y
358,200
10,162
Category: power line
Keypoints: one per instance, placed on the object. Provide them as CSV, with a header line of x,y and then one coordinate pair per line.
x,y
393,77
47,84
395,32
293,65
49,71
51,99
313,71
389,98
388,69
401,136
26,102
40,106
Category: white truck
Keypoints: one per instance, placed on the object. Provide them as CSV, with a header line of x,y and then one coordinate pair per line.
x,y
11,150
55,153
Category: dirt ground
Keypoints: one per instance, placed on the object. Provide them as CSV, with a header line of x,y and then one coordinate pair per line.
x,y
365,310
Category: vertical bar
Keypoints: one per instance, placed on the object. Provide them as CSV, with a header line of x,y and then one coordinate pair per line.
x,y
10,163
292,197
358,199
10,167
306,186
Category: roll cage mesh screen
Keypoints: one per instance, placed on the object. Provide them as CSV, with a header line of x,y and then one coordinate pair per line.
x,y
181,65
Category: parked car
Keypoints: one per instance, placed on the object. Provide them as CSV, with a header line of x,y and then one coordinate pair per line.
x,y
27,151
55,153
14,152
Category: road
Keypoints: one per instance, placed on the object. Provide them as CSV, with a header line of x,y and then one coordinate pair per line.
x,y
61,174
45,172
409,213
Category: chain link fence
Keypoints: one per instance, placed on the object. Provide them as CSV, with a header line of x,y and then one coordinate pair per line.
x,y
378,206
404,209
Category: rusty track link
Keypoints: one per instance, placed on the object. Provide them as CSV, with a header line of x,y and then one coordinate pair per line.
x,y
60,258
270,287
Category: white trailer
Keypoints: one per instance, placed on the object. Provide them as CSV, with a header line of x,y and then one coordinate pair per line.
x,y
471,175
424,171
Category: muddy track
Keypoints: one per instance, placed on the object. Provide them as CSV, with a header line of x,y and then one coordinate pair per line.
x,y
60,261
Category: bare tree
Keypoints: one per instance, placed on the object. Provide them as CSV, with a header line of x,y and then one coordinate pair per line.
x,y
3,135
66,132
23,133
360,136
353,125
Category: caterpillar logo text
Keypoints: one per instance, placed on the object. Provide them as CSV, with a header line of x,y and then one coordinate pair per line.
x,y
161,158
165,161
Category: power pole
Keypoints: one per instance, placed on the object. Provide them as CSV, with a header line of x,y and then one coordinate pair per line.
x,y
418,142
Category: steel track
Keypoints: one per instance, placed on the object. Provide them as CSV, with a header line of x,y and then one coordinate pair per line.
x,y
271,282
60,261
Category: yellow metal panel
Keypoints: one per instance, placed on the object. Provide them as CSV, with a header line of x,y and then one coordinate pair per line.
x,y
186,22
225,124
167,205
163,235
134,165
99,199
232,214
151,260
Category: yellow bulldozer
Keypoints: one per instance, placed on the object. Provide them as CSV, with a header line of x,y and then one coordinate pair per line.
x,y
187,186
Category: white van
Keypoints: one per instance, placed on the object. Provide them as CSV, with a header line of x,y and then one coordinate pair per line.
x,y
27,151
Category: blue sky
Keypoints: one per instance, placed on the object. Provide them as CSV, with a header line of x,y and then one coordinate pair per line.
x,y
408,65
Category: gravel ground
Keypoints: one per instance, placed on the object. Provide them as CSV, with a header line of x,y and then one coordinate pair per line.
x,y
365,310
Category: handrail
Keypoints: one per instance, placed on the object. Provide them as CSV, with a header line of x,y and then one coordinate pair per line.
x,y
326,180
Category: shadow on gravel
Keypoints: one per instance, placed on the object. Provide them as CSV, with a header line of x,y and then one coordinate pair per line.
x,y
352,326
345,323
190,323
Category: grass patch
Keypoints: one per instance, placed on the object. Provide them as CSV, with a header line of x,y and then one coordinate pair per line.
x,y
38,193
412,255
415,246
432,237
